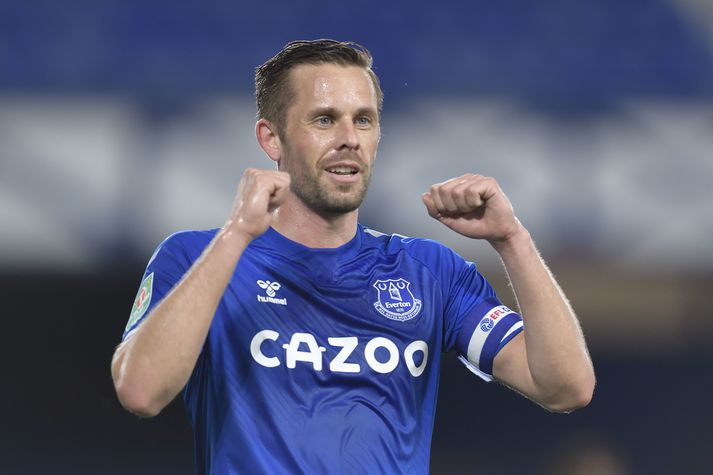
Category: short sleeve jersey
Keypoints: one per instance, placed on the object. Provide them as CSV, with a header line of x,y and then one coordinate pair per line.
x,y
327,360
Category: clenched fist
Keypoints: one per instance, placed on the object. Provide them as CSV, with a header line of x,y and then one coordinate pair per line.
x,y
474,206
260,193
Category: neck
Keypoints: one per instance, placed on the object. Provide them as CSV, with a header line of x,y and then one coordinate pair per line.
x,y
299,223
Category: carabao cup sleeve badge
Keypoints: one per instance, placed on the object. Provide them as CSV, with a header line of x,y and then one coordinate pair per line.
x,y
395,299
142,301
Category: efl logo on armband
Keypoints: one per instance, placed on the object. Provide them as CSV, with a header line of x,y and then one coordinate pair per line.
x,y
490,319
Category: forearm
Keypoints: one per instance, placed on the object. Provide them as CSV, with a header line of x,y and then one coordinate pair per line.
x,y
556,354
154,363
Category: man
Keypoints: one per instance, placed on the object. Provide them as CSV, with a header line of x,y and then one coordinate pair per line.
x,y
305,343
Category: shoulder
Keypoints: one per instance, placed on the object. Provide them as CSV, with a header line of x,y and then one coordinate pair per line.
x,y
188,244
428,251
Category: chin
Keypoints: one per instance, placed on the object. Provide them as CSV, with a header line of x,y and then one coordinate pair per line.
x,y
341,205
341,208
330,200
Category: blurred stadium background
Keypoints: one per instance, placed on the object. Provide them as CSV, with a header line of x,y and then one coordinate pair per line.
x,y
123,121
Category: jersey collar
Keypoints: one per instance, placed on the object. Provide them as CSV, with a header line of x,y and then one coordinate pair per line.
x,y
271,238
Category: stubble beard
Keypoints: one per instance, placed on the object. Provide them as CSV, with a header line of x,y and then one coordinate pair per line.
x,y
325,199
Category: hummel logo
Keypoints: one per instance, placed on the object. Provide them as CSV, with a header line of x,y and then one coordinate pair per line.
x,y
270,289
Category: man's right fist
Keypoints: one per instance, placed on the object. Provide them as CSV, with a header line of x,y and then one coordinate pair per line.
x,y
260,193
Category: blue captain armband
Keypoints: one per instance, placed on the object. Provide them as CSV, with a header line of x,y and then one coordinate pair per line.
x,y
484,332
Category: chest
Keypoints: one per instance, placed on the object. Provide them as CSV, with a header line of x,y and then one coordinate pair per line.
x,y
366,316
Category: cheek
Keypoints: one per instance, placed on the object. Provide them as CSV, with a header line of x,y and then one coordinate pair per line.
x,y
372,146
311,142
321,141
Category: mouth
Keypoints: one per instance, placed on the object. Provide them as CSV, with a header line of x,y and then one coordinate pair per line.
x,y
344,173
343,170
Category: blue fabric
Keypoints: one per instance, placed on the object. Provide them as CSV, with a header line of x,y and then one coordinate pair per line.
x,y
492,344
323,360
471,322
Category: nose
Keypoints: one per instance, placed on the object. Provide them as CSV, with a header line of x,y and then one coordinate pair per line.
x,y
348,136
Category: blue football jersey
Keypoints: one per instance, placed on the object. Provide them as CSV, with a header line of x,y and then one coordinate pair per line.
x,y
327,360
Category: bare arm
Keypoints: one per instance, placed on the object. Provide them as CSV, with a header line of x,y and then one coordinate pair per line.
x,y
154,363
548,362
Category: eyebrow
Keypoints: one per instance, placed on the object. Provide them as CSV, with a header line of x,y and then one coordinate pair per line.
x,y
331,111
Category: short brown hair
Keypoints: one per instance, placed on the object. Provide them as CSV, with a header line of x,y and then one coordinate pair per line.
x,y
272,89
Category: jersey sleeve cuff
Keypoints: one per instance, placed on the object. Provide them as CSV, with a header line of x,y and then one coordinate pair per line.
x,y
486,330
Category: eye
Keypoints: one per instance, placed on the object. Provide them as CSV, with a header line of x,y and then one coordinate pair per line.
x,y
363,120
324,120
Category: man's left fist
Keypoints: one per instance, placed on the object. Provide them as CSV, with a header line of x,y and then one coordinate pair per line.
x,y
474,206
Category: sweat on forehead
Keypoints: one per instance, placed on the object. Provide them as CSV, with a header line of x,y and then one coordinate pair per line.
x,y
328,84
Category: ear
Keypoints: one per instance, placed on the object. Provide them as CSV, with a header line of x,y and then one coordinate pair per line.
x,y
268,139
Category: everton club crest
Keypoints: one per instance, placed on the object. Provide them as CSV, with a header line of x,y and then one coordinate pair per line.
x,y
395,300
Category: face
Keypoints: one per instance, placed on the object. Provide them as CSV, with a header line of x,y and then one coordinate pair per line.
x,y
331,136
